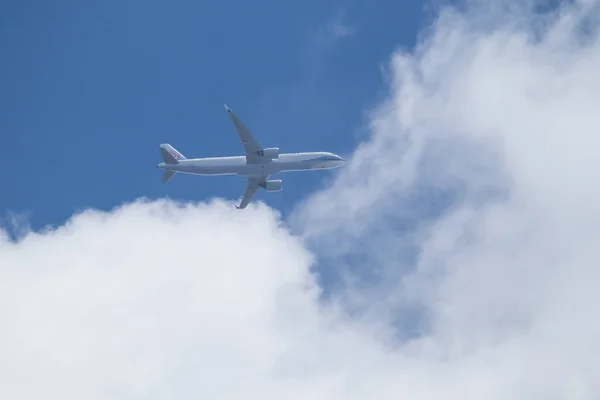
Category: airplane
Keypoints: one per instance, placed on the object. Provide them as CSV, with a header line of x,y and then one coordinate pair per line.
x,y
257,165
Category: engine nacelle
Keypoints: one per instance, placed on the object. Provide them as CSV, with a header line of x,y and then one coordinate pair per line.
x,y
270,152
273,186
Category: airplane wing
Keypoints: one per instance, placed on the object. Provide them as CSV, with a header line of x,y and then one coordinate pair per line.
x,y
250,144
251,187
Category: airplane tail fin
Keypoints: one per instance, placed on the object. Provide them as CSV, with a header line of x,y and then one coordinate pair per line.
x,y
168,175
170,155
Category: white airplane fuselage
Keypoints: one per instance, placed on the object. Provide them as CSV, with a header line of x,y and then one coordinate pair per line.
x,y
237,165
256,165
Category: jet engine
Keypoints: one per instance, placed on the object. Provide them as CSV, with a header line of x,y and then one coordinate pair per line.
x,y
272,186
270,152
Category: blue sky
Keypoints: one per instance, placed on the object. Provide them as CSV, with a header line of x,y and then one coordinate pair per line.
x,y
89,89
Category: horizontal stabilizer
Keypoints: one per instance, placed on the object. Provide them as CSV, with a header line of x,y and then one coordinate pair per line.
x,y
168,175
170,155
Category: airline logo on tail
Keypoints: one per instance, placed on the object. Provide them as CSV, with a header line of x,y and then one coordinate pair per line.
x,y
170,155
177,155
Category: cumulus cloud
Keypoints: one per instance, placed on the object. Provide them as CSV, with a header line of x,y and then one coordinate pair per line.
x,y
152,300
472,211
476,200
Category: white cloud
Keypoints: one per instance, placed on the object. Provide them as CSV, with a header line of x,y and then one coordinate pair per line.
x,y
339,29
336,29
475,200
150,300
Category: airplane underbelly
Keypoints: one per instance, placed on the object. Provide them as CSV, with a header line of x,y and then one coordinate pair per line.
x,y
215,170
260,169
296,166
254,169
246,169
